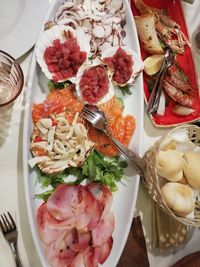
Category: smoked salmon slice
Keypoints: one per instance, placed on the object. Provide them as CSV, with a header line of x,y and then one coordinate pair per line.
x,y
122,128
56,102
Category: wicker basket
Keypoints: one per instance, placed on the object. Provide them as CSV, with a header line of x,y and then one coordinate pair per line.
x,y
152,180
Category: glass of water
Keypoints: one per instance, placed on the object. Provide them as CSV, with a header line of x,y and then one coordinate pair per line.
x,y
11,79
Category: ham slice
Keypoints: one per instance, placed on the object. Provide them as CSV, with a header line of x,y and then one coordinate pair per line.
x,y
76,225
78,261
90,258
76,204
104,250
82,241
103,194
48,226
103,229
66,201
59,253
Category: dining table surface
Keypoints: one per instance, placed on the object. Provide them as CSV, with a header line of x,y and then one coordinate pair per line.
x,y
12,193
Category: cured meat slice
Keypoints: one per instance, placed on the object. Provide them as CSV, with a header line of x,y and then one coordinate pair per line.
x,y
78,261
103,229
76,225
103,194
59,253
75,203
90,258
67,201
104,250
81,241
91,214
48,227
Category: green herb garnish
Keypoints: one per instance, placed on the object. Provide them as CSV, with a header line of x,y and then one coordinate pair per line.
x,y
61,85
45,195
125,90
96,168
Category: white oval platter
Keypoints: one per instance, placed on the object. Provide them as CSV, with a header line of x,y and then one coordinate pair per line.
x,y
125,198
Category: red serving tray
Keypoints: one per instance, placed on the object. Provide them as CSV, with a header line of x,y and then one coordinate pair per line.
x,y
186,62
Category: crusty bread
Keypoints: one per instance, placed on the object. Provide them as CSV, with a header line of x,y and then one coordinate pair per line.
x,y
192,168
178,198
170,165
147,34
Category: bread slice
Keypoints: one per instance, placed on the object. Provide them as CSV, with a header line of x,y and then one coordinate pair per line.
x,y
147,34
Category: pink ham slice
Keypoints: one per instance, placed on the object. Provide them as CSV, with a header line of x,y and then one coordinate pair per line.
x,y
78,261
66,201
103,229
82,241
76,204
104,250
60,253
49,228
76,225
90,258
103,194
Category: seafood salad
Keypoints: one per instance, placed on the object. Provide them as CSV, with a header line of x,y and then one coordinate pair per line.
x,y
84,55
157,28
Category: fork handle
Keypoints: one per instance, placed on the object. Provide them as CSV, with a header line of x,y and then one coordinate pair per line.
x,y
14,249
136,160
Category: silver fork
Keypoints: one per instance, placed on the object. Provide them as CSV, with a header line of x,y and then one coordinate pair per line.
x,y
9,230
98,119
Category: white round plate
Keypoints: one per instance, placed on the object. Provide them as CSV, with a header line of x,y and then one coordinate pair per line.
x,y
20,24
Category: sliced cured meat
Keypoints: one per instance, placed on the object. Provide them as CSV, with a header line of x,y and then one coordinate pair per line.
x,y
94,84
75,203
67,201
47,225
94,213
90,258
122,65
78,261
76,225
81,241
104,250
59,253
103,194
103,229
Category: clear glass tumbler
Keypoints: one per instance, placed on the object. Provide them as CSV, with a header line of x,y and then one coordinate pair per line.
x,y
11,79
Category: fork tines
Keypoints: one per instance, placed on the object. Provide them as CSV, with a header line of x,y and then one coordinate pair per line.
x,y
6,224
88,112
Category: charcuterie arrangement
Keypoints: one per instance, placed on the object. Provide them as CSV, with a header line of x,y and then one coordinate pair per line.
x,y
85,58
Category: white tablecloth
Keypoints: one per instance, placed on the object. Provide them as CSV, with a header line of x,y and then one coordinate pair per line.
x,y
12,195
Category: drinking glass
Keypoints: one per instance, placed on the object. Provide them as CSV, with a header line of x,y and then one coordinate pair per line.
x,y
11,79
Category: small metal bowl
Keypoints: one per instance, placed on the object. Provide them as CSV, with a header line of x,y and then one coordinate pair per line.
x,y
11,79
